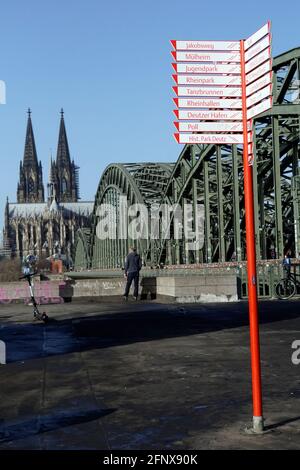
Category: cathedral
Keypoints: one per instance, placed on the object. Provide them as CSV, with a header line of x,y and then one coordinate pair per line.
x,y
46,227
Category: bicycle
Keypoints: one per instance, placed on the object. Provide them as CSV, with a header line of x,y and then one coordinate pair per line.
x,y
286,288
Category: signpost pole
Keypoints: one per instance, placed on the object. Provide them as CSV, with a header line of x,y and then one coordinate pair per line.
x,y
200,64
251,266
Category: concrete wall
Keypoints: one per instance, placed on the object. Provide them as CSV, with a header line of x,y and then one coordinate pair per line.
x,y
45,292
94,288
202,288
217,288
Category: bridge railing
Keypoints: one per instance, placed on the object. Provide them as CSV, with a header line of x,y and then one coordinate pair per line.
x,y
268,275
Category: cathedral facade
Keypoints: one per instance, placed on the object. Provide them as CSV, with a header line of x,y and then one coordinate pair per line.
x,y
46,226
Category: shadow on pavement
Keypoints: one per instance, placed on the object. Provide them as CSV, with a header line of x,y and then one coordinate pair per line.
x,y
49,422
35,340
280,424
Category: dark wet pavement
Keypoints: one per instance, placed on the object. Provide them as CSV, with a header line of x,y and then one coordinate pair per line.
x,y
146,376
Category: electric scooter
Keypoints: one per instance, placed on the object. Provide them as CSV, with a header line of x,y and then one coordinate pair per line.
x,y
29,270
37,315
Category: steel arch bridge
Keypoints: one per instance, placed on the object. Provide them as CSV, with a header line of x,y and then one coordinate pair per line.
x,y
213,176
139,183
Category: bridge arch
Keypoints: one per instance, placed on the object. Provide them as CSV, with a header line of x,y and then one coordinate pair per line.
x,y
142,183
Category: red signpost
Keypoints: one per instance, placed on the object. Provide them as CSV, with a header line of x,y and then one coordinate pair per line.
x,y
251,267
242,71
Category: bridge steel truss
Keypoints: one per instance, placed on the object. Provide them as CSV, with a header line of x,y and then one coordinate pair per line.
x,y
139,183
213,177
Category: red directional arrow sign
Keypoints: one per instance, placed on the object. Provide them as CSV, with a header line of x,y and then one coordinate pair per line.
x,y
208,115
206,45
209,126
209,138
264,31
208,91
257,73
259,108
260,83
208,68
259,96
208,103
257,48
211,80
258,60
206,56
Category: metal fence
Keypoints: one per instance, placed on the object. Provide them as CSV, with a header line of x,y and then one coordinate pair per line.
x,y
268,276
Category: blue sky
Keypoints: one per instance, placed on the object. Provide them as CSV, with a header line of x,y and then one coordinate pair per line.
x,y
108,64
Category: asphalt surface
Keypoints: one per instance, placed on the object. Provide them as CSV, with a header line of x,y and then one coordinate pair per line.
x,y
146,376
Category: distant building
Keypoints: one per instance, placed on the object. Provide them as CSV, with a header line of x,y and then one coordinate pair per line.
x,y
5,251
33,225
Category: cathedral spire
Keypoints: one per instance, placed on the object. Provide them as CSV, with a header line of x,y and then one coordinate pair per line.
x,y
30,187
30,155
63,153
66,172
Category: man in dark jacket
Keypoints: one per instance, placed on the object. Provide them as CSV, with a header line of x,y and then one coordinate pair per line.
x,y
133,265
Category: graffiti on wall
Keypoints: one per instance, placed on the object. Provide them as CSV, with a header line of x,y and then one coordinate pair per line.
x,y
44,292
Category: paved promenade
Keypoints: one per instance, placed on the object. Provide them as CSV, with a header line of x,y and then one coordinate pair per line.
x,y
146,376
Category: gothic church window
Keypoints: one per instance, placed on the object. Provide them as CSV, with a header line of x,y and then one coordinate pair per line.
x,y
64,186
30,186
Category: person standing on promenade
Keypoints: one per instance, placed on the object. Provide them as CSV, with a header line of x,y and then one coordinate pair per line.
x,y
133,265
